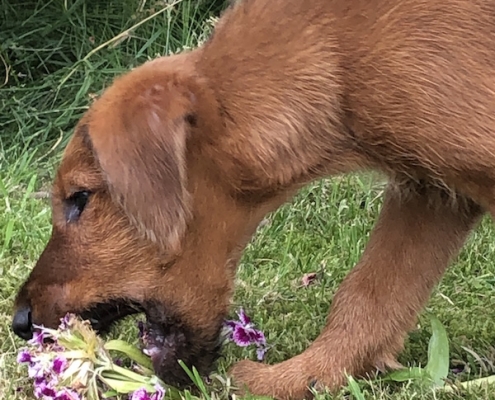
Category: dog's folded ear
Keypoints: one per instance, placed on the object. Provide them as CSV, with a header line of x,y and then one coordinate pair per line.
x,y
138,131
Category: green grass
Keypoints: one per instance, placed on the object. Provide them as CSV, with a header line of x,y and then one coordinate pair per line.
x,y
48,81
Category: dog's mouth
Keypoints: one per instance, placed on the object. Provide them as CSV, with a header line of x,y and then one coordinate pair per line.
x,y
167,338
164,337
102,316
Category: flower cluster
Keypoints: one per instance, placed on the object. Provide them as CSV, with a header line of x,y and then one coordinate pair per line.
x,y
46,370
243,333
72,363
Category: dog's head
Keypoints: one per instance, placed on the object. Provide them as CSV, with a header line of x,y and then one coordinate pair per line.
x,y
143,221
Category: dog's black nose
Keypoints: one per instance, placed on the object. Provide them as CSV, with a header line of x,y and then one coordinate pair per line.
x,y
22,324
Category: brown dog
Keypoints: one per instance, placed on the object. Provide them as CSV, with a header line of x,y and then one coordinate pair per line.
x,y
171,170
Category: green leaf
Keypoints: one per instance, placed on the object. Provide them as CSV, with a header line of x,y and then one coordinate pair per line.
x,y
110,374
128,374
109,393
438,353
437,368
407,374
130,351
354,388
126,386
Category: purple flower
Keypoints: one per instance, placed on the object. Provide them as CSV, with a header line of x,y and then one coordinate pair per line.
x,y
243,336
142,394
65,322
67,394
39,381
46,390
38,339
36,370
24,356
56,347
245,320
260,353
159,394
59,364
42,389
243,333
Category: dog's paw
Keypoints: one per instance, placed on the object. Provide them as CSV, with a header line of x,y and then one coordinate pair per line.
x,y
281,381
245,375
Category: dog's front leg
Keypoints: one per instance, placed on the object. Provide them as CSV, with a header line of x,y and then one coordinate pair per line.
x,y
418,232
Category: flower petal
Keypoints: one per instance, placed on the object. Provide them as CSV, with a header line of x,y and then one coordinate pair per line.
x,y
256,336
39,385
59,364
44,390
67,394
230,327
152,351
159,394
241,336
49,392
245,320
260,353
24,356
36,370
66,322
37,339
140,394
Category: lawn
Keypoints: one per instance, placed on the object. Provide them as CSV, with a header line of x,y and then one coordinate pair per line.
x,y
56,55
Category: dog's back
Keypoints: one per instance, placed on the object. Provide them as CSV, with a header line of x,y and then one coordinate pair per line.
x,y
404,86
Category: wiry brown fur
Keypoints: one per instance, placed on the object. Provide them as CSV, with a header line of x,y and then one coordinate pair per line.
x,y
186,154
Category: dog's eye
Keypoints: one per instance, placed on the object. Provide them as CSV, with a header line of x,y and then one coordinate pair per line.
x,y
75,205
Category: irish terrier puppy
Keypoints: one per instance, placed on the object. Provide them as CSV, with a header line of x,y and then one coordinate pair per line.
x,y
169,173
